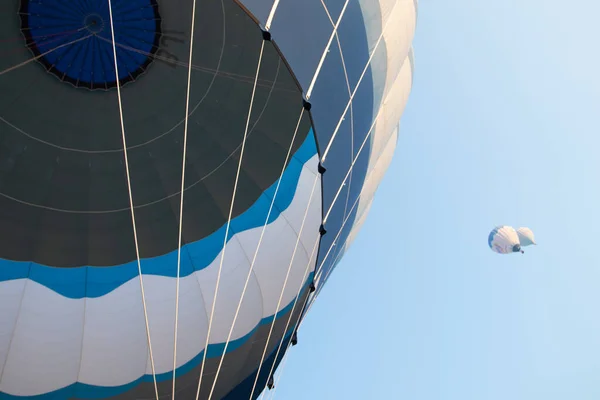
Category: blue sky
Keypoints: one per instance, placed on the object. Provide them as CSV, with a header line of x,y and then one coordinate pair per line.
x,y
502,127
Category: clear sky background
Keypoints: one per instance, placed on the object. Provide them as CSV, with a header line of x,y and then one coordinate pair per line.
x,y
502,127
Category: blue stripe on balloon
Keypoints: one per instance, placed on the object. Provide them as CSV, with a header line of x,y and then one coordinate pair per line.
x,y
493,234
88,281
82,390
491,237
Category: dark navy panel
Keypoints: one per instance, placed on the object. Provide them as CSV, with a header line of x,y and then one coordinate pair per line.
x,y
342,213
82,29
354,186
259,9
302,29
335,7
241,392
353,37
330,98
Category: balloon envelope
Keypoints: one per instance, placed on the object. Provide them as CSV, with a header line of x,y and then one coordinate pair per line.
x,y
526,236
504,240
76,319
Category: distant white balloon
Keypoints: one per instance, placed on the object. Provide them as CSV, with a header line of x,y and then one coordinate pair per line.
x,y
526,237
504,240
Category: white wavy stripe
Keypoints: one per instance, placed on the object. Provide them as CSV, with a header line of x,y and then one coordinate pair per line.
x,y
374,16
374,177
398,38
397,85
377,173
370,187
385,135
391,112
395,43
383,145
358,224
102,341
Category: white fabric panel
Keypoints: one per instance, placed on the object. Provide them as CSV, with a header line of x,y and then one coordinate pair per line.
x,y
278,246
385,134
375,18
230,293
374,23
56,344
395,42
526,236
192,323
251,311
393,107
272,279
374,177
294,216
377,173
397,97
233,275
46,345
115,349
371,185
378,166
10,302
505,239
383,142
386,7
358,225
401,15
379,142
398,37
398,83
391,111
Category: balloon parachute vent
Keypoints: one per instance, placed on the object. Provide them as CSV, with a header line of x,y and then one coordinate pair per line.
x,y
69,39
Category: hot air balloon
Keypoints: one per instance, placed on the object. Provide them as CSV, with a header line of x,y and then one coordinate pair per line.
x,y
504,240
173,176
526,237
